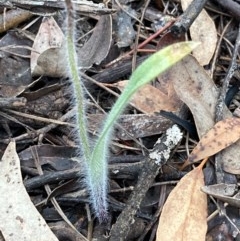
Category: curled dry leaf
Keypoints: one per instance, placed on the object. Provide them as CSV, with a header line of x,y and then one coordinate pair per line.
x,y
203,29
184,214
222,135
96,48
48,54
13,18
19,219
48,50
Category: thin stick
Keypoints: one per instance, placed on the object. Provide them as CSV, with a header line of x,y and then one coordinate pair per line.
x,y
187,18
231,69
161,30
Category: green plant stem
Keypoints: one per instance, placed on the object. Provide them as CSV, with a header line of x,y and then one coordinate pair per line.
x,y
76,82
96,161
149,69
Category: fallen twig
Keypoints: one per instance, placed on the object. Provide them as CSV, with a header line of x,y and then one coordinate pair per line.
x,y
156,159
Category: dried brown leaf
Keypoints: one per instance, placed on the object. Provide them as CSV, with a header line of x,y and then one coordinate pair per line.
x,y
203,29
48,50
97,47
222,135
19,219
150,99
198,91
184,214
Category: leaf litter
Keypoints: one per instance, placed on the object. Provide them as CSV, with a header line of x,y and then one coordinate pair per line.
x,y
222,135
48,50
228,193
203,29
16,207
185,83
184,214
144,102
198,91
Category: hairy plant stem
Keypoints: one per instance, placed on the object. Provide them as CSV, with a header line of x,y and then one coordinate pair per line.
x,y
95,159
151,68
95,174
76,82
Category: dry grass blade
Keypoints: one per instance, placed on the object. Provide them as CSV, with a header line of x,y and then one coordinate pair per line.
x,y
184,214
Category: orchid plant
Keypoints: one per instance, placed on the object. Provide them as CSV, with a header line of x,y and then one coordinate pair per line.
x,y
95,157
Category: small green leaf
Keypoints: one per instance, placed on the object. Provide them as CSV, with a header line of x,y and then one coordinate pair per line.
x,y
147,71
159,62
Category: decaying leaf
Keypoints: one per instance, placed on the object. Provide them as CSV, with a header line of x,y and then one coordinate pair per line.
x,y
48,54
198,91
150,99
220,190
124,30
19,219
224,192
184,214
203,29
15,71
13,18
58,158
48,50
96,48
137,125
222,135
